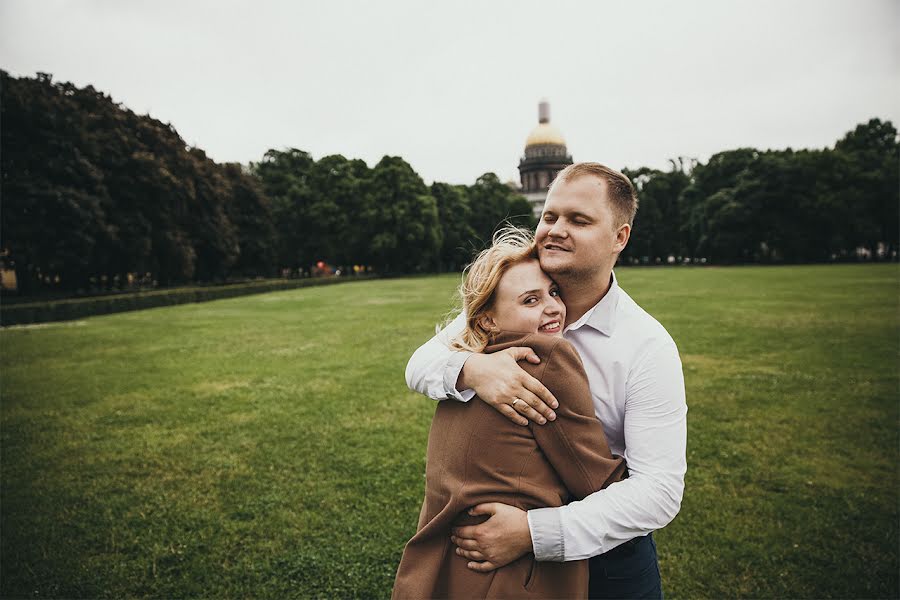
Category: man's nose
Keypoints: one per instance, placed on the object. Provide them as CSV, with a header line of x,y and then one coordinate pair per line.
x,y
557,230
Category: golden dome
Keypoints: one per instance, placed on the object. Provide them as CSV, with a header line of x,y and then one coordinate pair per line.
x,y
545,133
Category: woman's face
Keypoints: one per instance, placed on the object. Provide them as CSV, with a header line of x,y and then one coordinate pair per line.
x,y
527,300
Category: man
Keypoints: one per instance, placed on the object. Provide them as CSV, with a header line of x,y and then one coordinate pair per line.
x,y
636,384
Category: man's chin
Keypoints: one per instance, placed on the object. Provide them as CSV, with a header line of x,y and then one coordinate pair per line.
x,y
554,266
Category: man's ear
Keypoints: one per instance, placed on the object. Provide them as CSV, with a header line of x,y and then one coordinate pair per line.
x,y
622,237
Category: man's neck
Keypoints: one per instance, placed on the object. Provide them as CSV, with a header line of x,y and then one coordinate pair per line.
x,y
581,293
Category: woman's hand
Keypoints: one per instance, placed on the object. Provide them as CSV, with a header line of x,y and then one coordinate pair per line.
x,y
499,380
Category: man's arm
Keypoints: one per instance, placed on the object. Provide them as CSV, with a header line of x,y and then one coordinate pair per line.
x,y
433,369
655,446
441,373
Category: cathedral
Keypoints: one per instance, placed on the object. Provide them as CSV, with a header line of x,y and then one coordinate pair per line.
x,y
545,156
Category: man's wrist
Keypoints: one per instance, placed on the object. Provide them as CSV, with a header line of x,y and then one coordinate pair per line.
x,y
527,540
462,382
453,376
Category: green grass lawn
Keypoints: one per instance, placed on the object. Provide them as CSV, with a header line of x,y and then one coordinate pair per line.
x,y
267,446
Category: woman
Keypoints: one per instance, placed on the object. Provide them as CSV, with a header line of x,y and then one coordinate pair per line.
x,y
477,455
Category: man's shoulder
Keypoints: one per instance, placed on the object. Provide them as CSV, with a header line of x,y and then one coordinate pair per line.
x,y
639,326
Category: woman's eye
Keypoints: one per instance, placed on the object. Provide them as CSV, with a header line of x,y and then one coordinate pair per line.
x,y
554,293
530,300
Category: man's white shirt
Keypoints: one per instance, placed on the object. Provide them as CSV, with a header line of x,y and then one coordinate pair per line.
x,y
637,385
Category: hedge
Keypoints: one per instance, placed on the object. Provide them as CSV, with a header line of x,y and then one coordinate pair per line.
x,y
77,308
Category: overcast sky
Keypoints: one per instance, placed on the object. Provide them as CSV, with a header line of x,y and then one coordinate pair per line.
x,y
453,87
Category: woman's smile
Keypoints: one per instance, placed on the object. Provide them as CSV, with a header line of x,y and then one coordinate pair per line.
x,y
550,327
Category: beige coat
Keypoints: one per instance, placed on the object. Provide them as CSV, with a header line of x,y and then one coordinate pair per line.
x,y
476,455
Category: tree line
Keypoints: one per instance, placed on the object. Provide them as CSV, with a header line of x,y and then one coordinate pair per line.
x,y
774,206
94,195
385,217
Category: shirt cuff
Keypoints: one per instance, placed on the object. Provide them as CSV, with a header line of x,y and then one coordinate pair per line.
x,y
546,534
451,375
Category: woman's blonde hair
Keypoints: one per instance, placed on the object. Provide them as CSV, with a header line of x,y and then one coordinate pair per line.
x,y
510,246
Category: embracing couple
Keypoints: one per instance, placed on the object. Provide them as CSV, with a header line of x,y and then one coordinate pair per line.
x,y
558,446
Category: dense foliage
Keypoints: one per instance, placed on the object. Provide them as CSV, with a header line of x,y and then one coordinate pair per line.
x,y
386,217
91,189
95,195
747,205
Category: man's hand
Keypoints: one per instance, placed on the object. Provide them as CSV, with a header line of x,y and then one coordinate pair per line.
x,y
501,539
499,380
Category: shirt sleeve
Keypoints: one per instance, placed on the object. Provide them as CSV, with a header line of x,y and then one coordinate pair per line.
x,y
434,368
655,447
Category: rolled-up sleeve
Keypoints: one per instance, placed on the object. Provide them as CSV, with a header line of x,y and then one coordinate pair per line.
x,y
547,534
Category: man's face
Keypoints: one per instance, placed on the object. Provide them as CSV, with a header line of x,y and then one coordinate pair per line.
x,y
577,233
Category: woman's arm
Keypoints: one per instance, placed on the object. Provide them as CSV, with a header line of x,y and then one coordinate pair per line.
x,y
575,444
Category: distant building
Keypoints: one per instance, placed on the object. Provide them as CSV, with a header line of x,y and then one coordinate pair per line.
x,y
545,156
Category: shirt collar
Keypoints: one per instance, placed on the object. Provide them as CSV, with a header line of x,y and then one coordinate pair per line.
x,y
601,316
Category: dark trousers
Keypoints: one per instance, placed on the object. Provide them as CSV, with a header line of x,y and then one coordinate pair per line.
x,y
627,571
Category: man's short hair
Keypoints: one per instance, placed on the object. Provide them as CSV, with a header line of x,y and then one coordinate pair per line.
x,y
622,198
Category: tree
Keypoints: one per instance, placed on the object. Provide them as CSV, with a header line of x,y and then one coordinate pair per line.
x,y
494,205
458,237
871,154
54,198
250,211
283,175
337,227
404,219
701,200
657,225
